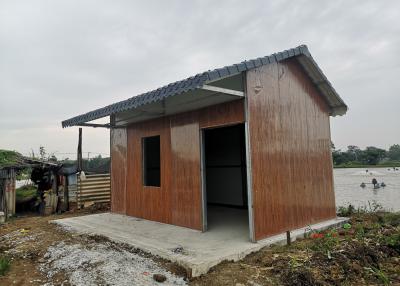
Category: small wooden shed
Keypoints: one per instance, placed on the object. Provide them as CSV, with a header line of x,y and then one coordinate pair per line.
x,y
253,136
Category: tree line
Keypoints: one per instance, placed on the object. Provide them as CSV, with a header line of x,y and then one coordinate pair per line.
x,y
355,156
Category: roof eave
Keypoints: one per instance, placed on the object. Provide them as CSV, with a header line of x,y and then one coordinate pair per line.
x,y
302,54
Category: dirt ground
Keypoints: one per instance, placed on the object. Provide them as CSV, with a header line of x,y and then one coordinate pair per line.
x,y
366,253
25,254
32,245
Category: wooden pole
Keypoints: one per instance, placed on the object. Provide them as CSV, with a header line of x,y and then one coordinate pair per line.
x,y
3,197
79,162
79,159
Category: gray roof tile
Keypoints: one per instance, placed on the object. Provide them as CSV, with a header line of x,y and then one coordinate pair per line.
x,y
199,80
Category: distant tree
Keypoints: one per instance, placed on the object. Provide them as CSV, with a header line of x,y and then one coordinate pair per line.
x,y
354,152
373,155
369,156
53,158
42,152
394,152
97,164
337,157
340,157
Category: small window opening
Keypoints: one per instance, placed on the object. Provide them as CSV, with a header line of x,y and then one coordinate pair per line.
x,y
151,161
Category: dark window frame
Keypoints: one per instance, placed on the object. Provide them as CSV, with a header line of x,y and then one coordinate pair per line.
x,y
151,175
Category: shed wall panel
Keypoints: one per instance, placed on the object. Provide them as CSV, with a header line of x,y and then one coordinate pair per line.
x,y
185,171
222,114
292,180
118,143
178,199
148,202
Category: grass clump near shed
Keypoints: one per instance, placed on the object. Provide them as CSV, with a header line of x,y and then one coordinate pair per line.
x,y
9,158
4,265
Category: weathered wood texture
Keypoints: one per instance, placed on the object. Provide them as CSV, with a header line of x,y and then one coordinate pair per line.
x,y
178,200
118,145
292,181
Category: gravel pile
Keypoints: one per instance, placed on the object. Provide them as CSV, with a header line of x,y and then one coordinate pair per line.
x,y
102,264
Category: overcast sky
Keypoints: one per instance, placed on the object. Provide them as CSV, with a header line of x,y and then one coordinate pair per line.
x,y
59,59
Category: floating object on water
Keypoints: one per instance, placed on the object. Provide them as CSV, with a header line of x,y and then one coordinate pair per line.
x,y
383,184
363,185
377,186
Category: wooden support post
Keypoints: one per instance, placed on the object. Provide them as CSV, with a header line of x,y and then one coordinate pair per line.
x,y
288,240
66,193
79,159
3,202
79,162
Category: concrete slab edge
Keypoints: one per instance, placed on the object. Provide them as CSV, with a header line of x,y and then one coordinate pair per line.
x,y
200,268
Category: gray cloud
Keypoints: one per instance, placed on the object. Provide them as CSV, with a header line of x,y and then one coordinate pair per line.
x,y
62,58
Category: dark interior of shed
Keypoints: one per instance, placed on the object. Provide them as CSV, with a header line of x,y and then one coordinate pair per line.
x,y
225,176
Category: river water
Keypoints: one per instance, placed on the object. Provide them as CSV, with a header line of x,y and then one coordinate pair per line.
x,y
348,190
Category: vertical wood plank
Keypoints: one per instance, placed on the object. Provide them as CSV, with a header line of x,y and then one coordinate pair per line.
x,y
186,177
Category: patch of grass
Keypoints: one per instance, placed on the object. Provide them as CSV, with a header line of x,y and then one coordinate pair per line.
x,y
393,241
392,219
325,242
378,273
8,157
346,211
26,193
359,231
372,207
4,265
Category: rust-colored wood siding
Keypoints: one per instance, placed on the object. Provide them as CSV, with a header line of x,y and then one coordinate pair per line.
x,y
178,200
118,144
292,181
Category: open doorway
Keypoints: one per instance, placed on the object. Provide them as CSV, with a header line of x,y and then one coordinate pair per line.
x,y
225,180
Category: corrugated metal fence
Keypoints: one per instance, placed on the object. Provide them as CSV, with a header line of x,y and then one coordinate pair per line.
x,y
93,189
7,192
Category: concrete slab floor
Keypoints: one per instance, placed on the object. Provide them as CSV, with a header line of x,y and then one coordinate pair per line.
x,y
226,239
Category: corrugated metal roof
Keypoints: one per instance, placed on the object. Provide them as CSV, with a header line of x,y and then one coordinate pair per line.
x,y
337,105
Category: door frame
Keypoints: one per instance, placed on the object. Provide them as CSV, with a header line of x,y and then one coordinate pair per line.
x,y
248,178
203,180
